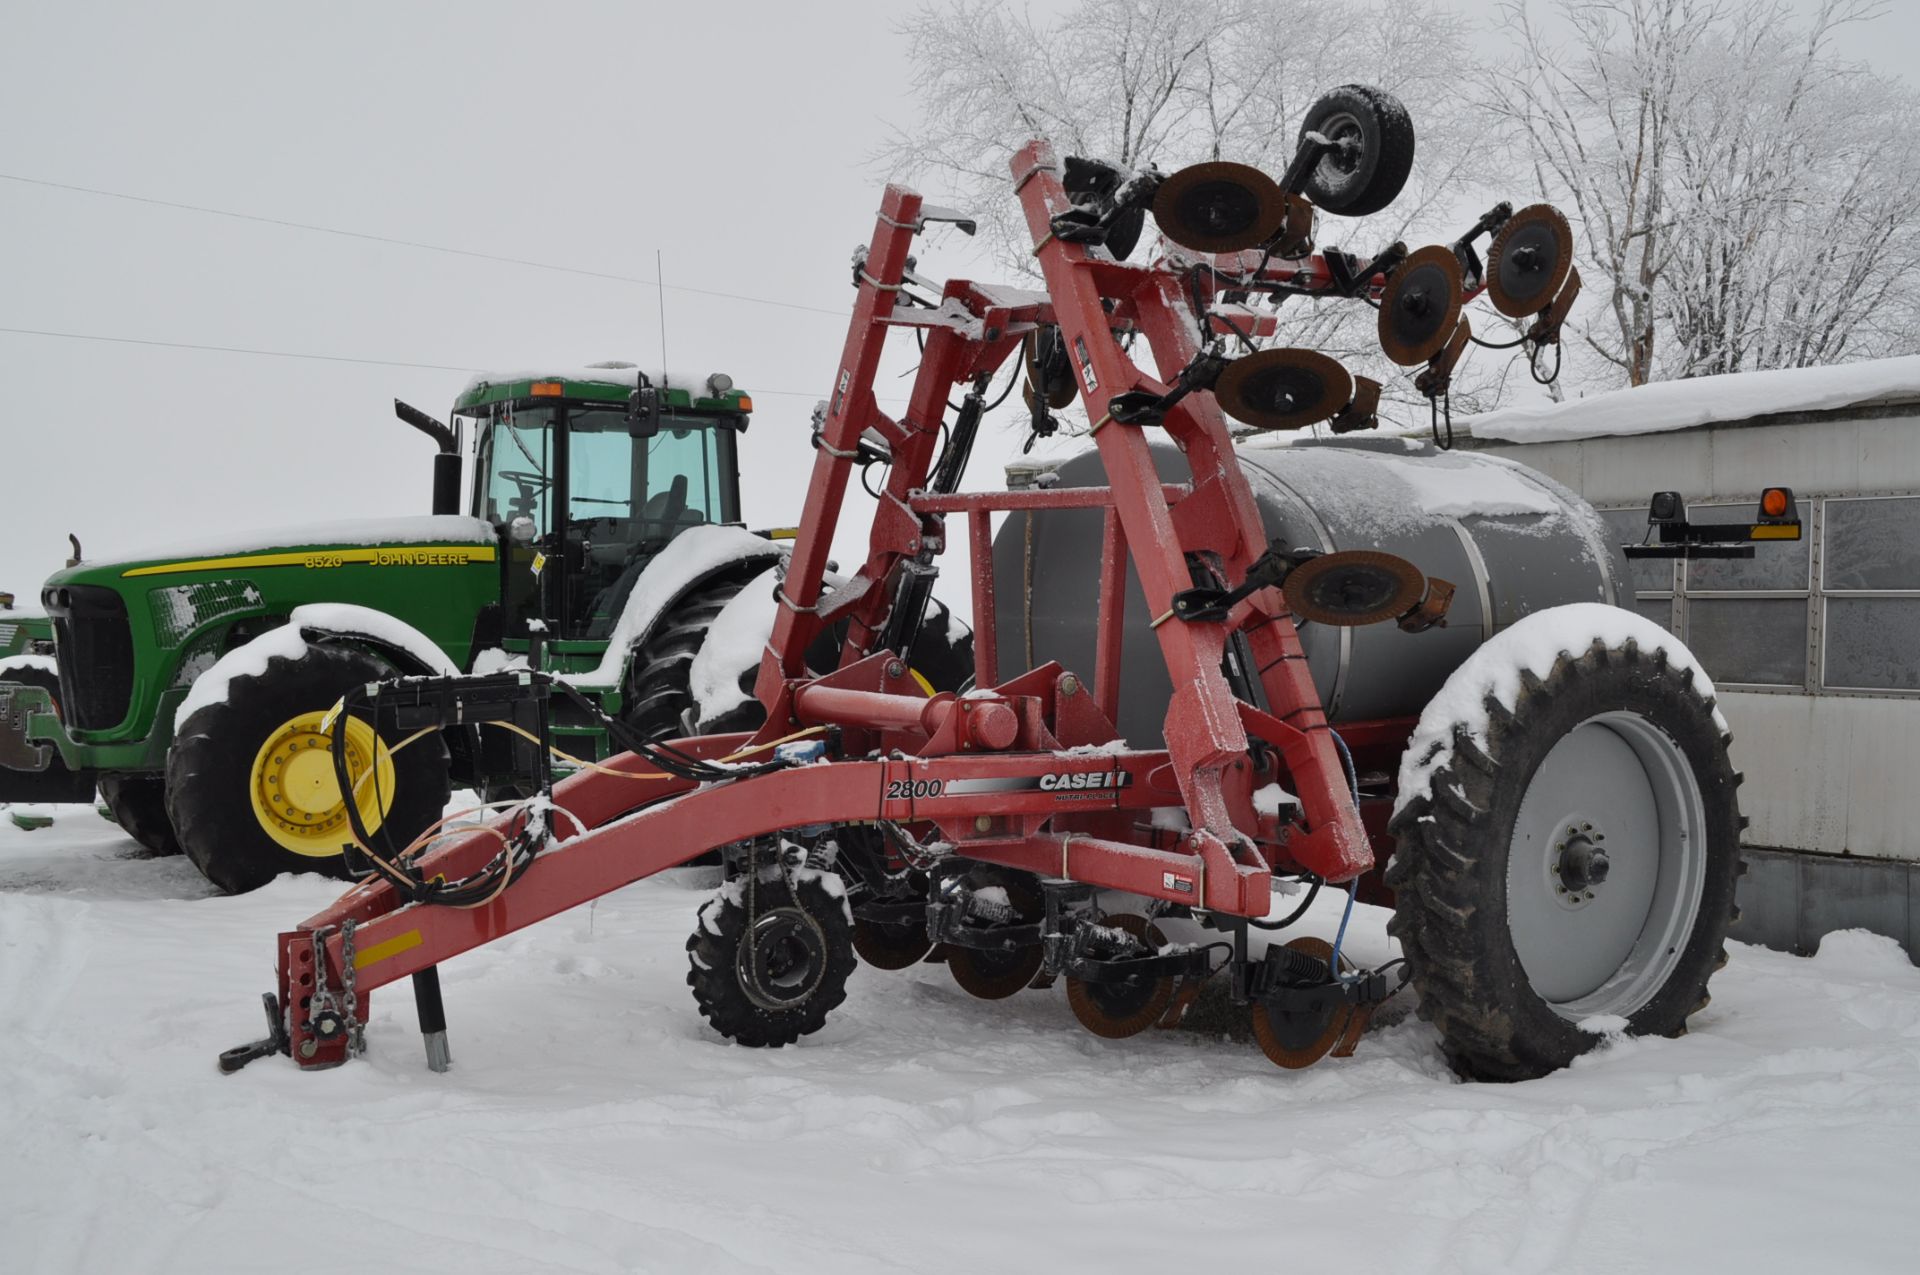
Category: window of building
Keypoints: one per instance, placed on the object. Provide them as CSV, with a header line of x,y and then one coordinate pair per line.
x,y
1870,574
1749,619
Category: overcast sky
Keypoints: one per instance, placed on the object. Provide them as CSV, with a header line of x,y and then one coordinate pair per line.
x,y
732,137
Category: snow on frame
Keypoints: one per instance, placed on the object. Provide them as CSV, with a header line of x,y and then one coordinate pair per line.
x,y
14,663
1664,406
1533,644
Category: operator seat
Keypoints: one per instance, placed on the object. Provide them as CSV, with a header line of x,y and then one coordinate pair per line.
x,y
663,516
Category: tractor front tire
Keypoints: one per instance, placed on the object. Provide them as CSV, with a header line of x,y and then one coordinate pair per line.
x,y
1571,873
770,959
139,805
250,784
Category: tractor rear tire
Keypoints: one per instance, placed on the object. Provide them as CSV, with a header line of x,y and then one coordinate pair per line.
x,y
660,694
1375,123
242,784
769,978
139,805
1572,873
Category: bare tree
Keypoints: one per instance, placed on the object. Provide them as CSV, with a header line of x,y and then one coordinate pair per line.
x,y
1174,82
1744,199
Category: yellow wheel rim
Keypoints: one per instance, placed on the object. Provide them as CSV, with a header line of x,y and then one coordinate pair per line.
x,y
296,797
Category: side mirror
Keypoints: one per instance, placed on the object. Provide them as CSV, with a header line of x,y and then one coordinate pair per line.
x,y
643,412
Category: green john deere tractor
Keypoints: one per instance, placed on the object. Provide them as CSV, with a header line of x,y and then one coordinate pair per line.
x,y
602,536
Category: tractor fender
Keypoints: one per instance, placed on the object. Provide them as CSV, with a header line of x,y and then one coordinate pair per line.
x,y
408,649
693,559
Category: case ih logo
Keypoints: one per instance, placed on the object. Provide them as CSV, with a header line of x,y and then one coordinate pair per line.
x,y
1076,781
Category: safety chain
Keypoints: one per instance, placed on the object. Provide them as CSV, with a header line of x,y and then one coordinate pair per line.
x,y
356,1030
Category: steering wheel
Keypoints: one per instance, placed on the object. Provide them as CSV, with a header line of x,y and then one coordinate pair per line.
x,y
529,485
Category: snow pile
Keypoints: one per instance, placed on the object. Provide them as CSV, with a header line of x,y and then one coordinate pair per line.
x,y
1534,645
733,647
688,556
592,1122
1705,400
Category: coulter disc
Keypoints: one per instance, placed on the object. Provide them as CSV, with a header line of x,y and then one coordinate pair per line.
x,y
1119,1010
1300,1039
993,975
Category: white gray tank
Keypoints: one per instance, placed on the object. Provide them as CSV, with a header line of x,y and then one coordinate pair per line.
x,y
1510,539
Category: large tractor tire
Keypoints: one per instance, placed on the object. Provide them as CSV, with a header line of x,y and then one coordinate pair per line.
x,y
250,780
770,957
659,691
139,805
56,784
1572,873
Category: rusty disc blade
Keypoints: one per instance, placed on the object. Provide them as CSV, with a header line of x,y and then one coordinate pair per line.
x,y
1119,1010
993,975
1421,305
890,947
1283,389
1296,1040
1353,587
1219,207
1529,260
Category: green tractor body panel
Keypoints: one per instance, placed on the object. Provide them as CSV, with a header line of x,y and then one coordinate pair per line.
x,y
23,631
568,498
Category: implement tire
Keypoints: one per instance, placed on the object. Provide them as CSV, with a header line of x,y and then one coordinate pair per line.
x,y
1576,866
769,979
139,805
250,783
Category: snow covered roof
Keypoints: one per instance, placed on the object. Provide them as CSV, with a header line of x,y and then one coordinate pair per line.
x,y
1706,400
613,373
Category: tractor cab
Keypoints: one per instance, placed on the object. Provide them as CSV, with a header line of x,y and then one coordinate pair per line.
x,y
587,476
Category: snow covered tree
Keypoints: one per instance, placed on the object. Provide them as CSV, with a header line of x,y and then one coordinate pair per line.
x,y
1175,82
1744,198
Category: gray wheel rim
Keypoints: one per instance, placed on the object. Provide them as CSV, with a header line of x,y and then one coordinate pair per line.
x,y
1619,785
1339,170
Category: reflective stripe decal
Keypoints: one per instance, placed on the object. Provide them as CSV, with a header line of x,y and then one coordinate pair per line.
x,y
385,556
388,947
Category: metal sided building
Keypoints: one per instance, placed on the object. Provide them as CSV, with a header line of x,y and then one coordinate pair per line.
x,y
1815,646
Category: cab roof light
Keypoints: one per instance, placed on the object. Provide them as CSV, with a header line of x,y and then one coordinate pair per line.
x,y
744,403
1775,502
547,389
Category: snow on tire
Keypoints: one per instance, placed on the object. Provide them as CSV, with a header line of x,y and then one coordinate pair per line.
x,y
1567,843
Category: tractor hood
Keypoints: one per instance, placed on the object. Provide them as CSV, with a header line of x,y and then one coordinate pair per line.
x,y
408,540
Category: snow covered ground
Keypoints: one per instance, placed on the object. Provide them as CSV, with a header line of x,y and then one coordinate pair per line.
x,y
593,1123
